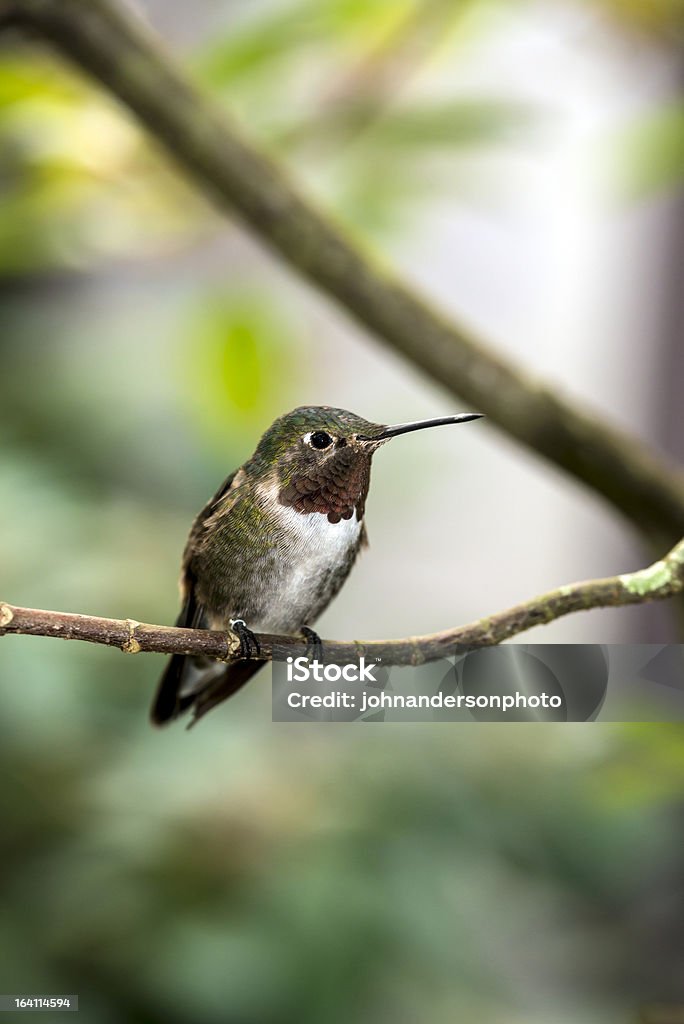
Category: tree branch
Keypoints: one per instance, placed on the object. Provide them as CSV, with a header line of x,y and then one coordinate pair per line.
x,y
661,580
116,48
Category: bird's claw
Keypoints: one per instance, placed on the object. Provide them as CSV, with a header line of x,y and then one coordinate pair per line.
x,y
249,645
313,642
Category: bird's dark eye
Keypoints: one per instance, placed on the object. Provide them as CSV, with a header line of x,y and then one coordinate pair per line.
x,y
320,439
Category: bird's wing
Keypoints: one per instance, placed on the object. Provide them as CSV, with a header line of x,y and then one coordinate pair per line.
x,y
192,612
169,700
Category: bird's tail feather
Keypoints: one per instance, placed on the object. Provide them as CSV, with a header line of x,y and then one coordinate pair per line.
x,y
197,683
219,686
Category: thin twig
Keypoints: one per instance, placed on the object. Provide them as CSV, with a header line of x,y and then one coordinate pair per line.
x,y
661,580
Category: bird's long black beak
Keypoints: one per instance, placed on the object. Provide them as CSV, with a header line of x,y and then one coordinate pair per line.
x,y
406,428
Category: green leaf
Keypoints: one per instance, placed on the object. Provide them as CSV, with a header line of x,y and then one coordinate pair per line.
x,y
452,123
235,353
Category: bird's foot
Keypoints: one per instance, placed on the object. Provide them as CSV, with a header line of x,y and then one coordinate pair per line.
x,y
249,645
313,643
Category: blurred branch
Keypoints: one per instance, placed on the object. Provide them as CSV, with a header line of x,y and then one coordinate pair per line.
x,y
661,580
119,51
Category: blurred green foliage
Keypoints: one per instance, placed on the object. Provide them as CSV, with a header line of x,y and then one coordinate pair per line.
x,y
357,97
238,352
77,184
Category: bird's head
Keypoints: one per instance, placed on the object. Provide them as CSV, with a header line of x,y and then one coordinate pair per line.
x,y
318,458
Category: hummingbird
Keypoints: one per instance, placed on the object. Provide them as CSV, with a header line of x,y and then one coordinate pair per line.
x,y
274,545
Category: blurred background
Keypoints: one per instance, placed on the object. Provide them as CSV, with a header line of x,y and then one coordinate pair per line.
x,y
523,163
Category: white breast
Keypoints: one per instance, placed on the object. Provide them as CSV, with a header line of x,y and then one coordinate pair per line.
x,y
320,538
319,549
